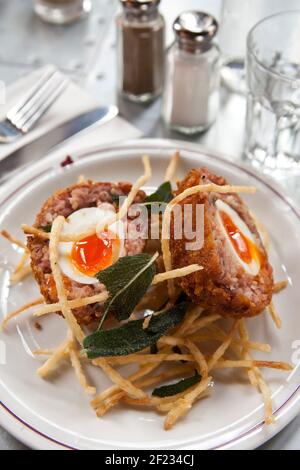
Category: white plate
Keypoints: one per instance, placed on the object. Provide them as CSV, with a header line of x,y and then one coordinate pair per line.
x,y
56,414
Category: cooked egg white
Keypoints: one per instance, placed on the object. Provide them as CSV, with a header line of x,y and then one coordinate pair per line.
x,y
80,222
253,267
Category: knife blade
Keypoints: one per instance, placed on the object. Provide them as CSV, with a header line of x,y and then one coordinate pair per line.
x,y
55,139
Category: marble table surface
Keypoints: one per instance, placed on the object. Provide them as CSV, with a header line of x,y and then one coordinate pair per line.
x,y
226,135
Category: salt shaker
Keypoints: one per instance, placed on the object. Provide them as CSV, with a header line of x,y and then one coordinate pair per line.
x,y
191,95
141,58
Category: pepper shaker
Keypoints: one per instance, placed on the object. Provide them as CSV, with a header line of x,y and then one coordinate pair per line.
x,y
191,95
141,32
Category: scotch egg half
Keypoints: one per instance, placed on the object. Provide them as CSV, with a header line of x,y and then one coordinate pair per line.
x,y
82,260
239,239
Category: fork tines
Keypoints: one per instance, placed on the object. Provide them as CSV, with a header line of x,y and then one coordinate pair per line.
x,y
30,109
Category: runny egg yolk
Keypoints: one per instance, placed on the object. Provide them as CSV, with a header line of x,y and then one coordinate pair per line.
x,y
94,253
244,247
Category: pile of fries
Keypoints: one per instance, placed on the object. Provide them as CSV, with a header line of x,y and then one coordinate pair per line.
x,y
187,349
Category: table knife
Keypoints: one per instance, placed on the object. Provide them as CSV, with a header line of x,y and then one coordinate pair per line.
x,y
54,139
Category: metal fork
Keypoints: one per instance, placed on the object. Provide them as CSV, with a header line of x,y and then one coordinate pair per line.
x,y
22,117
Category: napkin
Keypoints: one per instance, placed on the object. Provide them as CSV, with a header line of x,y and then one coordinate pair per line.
x,y
71,103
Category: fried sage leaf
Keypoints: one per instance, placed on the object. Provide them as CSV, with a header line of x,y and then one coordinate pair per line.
x,y
162,194
127,282
46,228
131,338
178,387
115,199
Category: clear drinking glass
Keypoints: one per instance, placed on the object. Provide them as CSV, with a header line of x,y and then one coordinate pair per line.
x,y
273,108
62,11
237,18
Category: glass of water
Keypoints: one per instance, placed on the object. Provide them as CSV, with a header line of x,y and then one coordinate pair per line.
x,y
237,18
273,107
62,11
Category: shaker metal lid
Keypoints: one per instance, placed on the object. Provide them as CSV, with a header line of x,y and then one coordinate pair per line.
x,y
195,26
140,3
